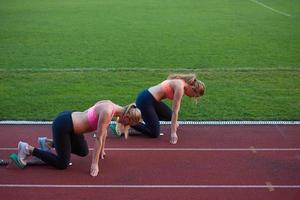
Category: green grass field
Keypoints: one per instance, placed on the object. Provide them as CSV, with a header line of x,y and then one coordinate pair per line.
x,y
58,55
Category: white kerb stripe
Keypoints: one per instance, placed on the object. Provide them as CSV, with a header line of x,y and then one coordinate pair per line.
x,y
183,149
14,122
149,186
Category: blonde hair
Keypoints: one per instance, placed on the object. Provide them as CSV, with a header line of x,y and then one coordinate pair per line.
x,y
134,114
200,87
190,79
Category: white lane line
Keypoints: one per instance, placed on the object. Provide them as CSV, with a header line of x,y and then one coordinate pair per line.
x,y
150,186
274,10
185,149
104,69
146,69
201,149
14,122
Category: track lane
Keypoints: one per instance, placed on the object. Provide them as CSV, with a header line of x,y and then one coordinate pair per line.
x,y
184,168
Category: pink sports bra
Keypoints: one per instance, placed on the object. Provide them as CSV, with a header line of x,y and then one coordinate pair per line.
x,y
169,93
93,117
168,90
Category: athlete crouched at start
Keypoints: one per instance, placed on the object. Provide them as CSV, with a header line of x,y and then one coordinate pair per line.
x,y
68,129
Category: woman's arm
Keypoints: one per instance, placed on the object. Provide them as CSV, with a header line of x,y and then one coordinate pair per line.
x,y
103,145
99,142
178,93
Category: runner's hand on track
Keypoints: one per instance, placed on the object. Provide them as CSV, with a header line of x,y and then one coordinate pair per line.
x,y
94,170
103,154
174,138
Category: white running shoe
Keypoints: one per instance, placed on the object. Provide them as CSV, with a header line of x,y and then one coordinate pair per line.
x,y
23,152
43,144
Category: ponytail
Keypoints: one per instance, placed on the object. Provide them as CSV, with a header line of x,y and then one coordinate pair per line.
x,y
188,78
134,114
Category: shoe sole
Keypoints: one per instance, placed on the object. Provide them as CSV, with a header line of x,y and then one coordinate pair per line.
x,y
114,131
16,161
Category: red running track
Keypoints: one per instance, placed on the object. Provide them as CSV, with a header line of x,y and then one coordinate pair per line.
x,y
209,162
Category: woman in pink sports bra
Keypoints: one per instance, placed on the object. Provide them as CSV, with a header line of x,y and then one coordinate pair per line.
x,y
68,129
149,101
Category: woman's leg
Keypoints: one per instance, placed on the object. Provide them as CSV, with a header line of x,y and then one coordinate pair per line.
x,y
62,129
146,103
79,145
163,111
151,126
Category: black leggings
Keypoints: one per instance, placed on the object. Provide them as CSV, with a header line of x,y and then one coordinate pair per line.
x,y
65,143
152,112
